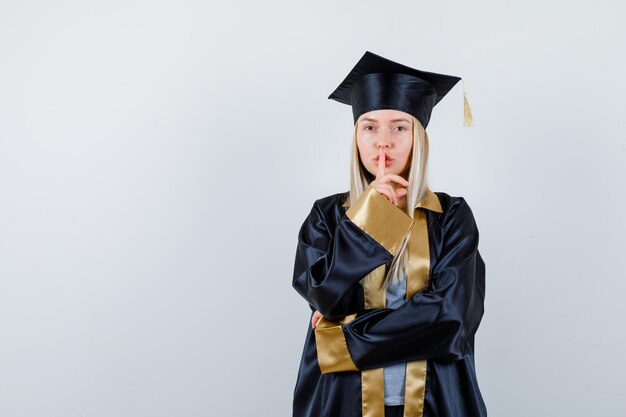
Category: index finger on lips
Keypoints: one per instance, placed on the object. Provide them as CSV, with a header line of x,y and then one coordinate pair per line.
x,y
381,163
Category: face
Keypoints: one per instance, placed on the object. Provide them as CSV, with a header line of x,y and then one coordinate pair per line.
x,y
391,130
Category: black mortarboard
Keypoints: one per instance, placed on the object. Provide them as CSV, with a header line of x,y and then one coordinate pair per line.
x,y
378,83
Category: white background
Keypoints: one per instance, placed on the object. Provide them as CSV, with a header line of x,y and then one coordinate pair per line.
x,y
158,157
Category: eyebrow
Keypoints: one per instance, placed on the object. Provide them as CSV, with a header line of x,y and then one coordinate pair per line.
x,y
367,119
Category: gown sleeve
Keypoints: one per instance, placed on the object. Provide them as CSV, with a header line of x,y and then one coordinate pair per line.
x,y
330,261
437,322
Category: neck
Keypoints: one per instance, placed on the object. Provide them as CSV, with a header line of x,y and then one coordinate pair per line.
x,y
402,202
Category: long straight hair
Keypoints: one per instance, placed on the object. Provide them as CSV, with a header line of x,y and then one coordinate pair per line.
x,y
360,179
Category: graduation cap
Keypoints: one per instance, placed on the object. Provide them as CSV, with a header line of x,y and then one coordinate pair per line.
x,y
379,83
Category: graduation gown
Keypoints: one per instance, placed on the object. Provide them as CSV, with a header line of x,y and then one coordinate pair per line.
x,y
340,261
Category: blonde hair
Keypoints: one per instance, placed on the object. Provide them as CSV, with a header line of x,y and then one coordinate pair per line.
x,y
360,179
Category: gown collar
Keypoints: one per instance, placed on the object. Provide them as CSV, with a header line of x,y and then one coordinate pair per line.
x,y
430,202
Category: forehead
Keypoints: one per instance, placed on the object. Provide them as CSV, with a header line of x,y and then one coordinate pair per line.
x,y
385,115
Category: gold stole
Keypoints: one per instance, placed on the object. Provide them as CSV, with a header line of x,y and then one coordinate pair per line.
x,y
372,380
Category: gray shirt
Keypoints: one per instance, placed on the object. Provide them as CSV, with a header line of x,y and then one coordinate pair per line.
x,y
395,374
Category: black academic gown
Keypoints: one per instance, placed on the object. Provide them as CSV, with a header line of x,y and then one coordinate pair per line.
x,y
437,324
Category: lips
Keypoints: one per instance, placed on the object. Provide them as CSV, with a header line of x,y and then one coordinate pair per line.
x,y
387,158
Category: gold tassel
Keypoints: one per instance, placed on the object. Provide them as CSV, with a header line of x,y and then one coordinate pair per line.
x,y
468,119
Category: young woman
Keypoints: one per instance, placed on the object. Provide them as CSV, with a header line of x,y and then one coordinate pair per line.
x,y
390,269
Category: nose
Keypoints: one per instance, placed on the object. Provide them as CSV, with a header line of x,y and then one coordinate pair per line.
x,y
383,140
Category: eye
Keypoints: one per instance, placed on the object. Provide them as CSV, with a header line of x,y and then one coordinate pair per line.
x,y
401,128
368,127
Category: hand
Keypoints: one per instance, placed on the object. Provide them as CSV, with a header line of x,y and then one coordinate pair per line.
x,y
317,316
385,183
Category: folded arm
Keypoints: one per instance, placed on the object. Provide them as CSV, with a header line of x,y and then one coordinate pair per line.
x,y
437,322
